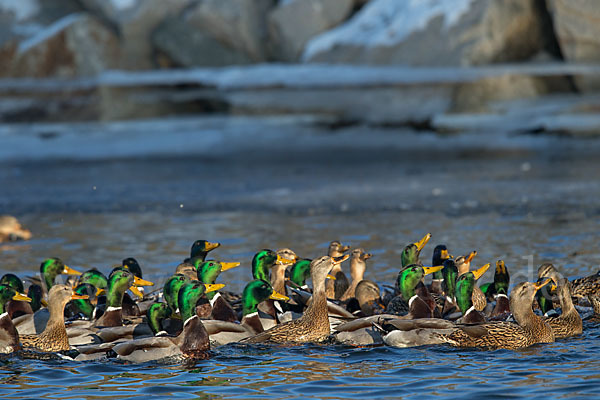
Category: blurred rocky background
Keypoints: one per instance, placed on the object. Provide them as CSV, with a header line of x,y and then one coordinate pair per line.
x,y
441,65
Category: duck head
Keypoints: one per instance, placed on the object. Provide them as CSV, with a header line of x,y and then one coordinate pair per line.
x,y
411,253
336,249
208,271
171,290
440,254
463,263
263,261
155,315
255,293
300,271
51,268
200,249
190,293
8,293
411,276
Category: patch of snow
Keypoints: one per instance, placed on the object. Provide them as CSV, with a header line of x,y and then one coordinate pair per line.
x,y
22,9
48,32
386,23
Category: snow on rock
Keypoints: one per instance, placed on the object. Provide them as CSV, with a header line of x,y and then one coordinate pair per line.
x,y
433,32
387,22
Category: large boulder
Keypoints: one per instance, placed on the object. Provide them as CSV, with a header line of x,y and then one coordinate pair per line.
x,y
434,32
75,45
293,23
577,28
216,33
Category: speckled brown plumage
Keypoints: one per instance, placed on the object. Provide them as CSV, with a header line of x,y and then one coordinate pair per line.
x,y
568,323
528,330
478,298
313,326
587,286
54,337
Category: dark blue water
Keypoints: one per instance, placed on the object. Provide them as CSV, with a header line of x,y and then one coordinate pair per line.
x,y
522,205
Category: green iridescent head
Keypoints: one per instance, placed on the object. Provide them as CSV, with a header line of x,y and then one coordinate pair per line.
x,y
208,271
200,249
261,263
544,296
440,254
172,288
95,278
13,281
409,278
501,278
51,268
132,265
300,271
85,306
450,273
190,293
255,293
118,282
464,291
155,315
7,293
410,254
36,294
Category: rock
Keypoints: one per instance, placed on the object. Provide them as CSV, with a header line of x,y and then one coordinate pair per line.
x,y
433,32
187,47
577,28
237,24
136,29
76,45
293,23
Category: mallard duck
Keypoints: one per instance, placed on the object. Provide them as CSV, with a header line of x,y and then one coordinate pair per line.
x,y
450,274
54,337
171,290
414,300
9,337
586,286
255,292
465,285
11,229
358,266
262,262
299,273
440,254
411,253
85,306
278,270
463,264
500,290
336,287
192,343
368,297
569,322
313,326
200,249
118,283
13,307
219,308
51,268
529,329
36,293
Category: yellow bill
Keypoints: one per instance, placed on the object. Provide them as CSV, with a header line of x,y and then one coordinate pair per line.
x,y
481,271
211,246
538,286
470,256
100,291
331,277
284,260
228,265
421,243
21,297
141,282
76,296
339,260
366,256
500,267
70,271
212,287
445,255
431,270
277,296
136,291
44,303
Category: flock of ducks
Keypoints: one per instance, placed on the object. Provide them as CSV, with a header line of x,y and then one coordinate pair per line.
x,y
111,316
